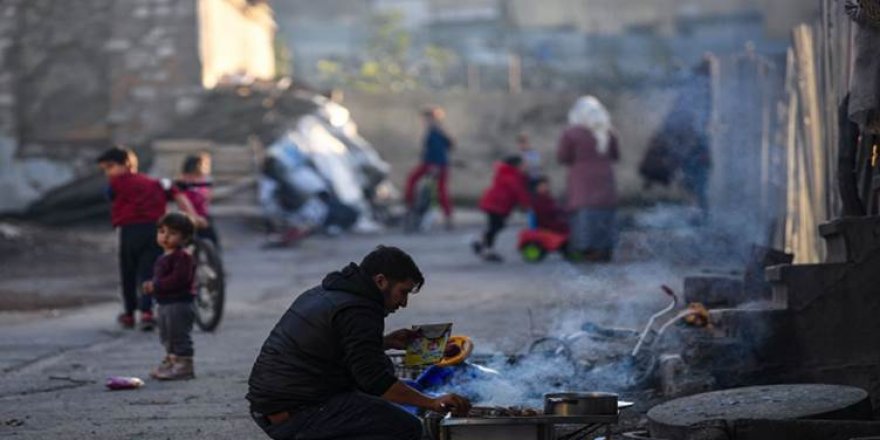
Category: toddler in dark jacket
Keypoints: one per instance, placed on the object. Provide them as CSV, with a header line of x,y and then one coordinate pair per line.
x,y
548,214
172,286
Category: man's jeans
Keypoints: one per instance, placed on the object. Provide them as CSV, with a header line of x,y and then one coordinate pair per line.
x,y
350,416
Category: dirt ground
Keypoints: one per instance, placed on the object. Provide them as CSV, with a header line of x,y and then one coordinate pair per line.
x,y
57,352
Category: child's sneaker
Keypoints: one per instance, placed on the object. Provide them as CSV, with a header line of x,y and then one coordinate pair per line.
x,y
163,369
125,320
147,321
181,369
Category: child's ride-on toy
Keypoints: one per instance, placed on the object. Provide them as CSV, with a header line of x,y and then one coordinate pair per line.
x,y
535,244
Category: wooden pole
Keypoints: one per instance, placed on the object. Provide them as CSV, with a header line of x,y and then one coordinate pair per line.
x,y
814,150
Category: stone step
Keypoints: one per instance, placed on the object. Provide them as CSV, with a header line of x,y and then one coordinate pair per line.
x,y
851,239
713,290
796,285
834,309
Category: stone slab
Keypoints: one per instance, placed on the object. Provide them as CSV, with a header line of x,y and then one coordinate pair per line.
x,y
674,419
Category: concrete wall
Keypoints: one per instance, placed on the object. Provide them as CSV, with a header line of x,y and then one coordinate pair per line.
x,y
154,66
8,29
485,125
77,76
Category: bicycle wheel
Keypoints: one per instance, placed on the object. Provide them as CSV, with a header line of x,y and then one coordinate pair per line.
x,y
210,285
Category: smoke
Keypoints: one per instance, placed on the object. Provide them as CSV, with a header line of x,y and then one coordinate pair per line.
x,y
658,247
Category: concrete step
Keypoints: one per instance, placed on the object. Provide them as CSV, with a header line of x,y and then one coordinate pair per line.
x,y
796,285
833,307
713,291
851,239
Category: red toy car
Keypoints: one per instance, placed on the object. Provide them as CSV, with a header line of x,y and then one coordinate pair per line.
x,y
535,244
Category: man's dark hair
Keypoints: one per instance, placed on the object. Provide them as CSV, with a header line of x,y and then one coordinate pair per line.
x,y
114,155
191,164
179,222
394,263
513,160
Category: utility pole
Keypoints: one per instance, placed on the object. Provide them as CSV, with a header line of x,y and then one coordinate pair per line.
x,y
514,73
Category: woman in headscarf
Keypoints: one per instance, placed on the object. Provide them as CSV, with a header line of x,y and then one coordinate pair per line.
x,y
588,147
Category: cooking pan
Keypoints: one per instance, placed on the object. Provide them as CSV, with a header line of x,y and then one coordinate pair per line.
x,y
580,404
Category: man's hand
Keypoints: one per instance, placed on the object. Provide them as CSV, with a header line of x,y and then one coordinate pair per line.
x,y
457,405
399,339
147,287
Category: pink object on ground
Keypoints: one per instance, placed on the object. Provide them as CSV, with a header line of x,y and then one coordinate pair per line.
x,y
124,383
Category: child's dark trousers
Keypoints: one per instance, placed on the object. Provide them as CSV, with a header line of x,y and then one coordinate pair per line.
x,y
138,252
175,327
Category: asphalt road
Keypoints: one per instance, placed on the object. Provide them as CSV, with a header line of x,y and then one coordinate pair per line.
x,y
54,363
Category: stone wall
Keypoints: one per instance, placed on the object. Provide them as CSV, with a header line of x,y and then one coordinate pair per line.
x,y
77,76
8,30
154,66
485,126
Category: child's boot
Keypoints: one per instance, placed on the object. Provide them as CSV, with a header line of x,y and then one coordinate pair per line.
x,y
181,368
126,320
147,321
163,369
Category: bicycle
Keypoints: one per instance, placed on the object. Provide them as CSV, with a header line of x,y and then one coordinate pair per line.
x,y
210,280
641,361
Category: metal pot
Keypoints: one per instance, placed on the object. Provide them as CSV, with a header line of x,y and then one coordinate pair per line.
x,y
580,404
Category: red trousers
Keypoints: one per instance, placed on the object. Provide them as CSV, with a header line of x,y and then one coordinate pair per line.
x,y
442,173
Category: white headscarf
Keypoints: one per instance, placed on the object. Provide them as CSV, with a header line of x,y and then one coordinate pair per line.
x,y
589,113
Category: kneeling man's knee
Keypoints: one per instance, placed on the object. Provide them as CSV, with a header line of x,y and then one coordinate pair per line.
x,y
412,427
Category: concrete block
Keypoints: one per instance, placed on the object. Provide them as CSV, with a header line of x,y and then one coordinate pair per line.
x,y
852,239
713,291
804,429
834,309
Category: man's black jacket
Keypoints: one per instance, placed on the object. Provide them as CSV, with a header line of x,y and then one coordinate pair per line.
x,y
328,342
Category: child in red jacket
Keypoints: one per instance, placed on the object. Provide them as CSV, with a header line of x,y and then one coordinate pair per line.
x,y
508,189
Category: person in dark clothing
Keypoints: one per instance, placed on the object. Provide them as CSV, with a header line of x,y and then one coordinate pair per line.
x,y
138,201
323,374
435,159
173,287
548,214
509,188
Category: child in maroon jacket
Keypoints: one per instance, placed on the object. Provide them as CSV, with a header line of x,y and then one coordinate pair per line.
x,y
173,287
548,214
138,201
508,189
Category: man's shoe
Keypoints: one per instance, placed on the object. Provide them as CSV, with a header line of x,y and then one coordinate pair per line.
x,y
181,369
126,321
147,321
163,369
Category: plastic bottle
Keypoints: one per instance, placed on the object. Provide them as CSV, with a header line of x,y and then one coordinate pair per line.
x,y
124,383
